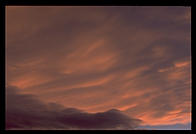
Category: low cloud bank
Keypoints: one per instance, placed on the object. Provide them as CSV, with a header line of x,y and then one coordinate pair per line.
x,y
26,112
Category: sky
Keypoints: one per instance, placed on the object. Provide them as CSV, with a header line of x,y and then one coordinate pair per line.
x,y
98,67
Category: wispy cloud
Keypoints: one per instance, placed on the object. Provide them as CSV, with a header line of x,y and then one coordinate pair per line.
x,y
135,59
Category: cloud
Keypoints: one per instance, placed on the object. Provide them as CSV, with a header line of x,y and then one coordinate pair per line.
x,y
27,112
135,59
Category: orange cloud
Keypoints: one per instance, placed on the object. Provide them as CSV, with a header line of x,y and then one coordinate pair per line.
x,y
100,81
136,72
182,64
127,107
29,80
167,120
93,57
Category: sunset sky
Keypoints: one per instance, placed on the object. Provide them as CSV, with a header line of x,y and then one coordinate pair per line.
x,y
96,67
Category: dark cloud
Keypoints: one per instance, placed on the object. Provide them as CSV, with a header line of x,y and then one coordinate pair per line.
x,y
27,112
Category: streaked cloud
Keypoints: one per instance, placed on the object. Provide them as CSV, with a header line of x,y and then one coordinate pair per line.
x,y
134,59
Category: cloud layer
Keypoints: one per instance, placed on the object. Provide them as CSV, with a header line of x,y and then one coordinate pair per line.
x,y
25,112
134,59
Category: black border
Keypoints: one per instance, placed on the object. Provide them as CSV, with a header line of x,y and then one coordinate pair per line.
x,y
100,2
4,3
2,67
